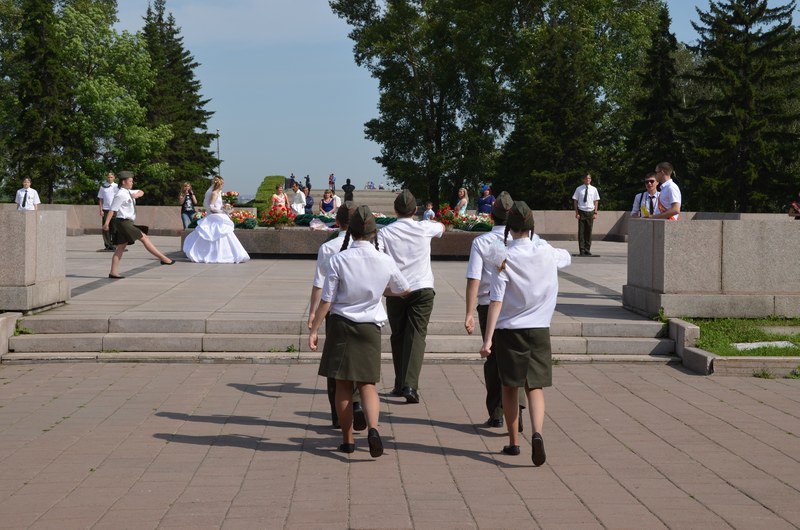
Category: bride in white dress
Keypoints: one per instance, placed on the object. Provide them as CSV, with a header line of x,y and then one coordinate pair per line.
x,y
213,241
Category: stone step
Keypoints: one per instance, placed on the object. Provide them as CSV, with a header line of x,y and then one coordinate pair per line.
x,y
295,358
249,324
219,342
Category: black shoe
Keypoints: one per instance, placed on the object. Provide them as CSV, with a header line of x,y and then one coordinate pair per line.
x,y
347,448
168,262
396,392
411,395
359,419
115,277
538,455
587,253
519,425
512,450
494,423
375,443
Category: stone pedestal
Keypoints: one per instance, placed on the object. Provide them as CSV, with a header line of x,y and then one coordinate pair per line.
x,y
33,268
713,268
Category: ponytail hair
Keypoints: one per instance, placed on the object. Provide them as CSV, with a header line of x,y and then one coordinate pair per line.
x,y
346,241
505,236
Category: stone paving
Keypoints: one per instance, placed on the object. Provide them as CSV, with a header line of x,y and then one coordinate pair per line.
x,y
92,445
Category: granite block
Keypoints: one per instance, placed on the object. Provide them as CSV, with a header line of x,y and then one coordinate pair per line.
x,y
692,261
640,253
717,305
756,257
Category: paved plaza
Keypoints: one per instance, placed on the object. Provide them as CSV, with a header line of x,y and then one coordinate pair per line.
x,y
202,445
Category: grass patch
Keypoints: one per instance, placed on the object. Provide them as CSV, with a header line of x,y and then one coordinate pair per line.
x,y
717,336
763,373
794,374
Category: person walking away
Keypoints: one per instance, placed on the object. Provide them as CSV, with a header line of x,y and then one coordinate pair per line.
x,y
646,203
522,302
586,201
27,198
480,270
123,232
188,202
669,198
408,242
105,195
356,279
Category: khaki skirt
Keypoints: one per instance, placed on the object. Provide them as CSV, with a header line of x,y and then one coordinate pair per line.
x,y
352,351
123,231
524,357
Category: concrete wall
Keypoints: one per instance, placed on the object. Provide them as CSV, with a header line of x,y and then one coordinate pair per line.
x,y
714,268
33,268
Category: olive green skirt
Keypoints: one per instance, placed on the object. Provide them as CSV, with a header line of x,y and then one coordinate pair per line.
x,y
352,350
524,357
123,231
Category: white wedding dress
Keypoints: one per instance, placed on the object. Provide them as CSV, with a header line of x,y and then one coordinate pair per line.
x,y
213,241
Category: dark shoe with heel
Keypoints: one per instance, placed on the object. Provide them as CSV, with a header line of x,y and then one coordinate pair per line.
x,y
512,450
494,423
115,277
168,262
375,443
347,448
538,455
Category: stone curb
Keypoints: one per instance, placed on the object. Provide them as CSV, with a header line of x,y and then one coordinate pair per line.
x,y
8,324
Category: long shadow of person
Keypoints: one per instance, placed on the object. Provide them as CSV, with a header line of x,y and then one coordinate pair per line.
x,y
277,388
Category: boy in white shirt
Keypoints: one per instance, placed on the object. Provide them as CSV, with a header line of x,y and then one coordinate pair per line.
x,y
27,198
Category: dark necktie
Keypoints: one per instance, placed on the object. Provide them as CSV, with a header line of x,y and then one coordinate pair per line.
x,y
586,194
652,198
25,199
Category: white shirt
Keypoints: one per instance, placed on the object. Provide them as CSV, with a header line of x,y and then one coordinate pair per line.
x,y
124,204
478,267
528,286
30,203
356,280
106,194
643,199
670,194
299,203
408,242
588,204
337,201
326,250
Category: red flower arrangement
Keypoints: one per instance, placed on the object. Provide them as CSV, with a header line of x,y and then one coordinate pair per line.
x,y
277,215
447,216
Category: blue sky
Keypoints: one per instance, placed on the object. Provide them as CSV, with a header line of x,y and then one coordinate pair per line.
x,y
286,93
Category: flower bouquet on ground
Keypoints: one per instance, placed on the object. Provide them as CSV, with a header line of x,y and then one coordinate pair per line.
x,y
243,219
481,222
448,217
277,217
230,197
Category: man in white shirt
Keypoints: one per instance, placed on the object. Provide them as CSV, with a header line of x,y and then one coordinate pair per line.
x,y
669,200
27,198
105,197
586,201
298,200
409,243
646,203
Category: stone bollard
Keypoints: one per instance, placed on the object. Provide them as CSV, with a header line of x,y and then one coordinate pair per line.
x,y
33,268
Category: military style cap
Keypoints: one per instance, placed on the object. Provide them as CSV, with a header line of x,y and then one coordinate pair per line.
x,y
501,206
405,203
344,213
520,217
362,221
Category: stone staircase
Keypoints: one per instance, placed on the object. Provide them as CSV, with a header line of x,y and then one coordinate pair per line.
x,y
245,338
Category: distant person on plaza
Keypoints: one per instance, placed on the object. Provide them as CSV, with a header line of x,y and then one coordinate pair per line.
x,y
104,198
409,244
348,191
308,183
485,201
357,278
646,203
298,200
188,202
522,301
279,198
794,208
214,239
480,270
429,214
669,198
332,182
309,208
27,198
119,221
586,201
463,200
327,205
292,180
337,201
326,250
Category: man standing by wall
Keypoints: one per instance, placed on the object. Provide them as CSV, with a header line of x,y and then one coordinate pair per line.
x,y
27,198
669,200
586,201
646,203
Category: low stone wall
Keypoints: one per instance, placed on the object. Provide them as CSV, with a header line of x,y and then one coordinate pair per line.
x,y
714,268
33,268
